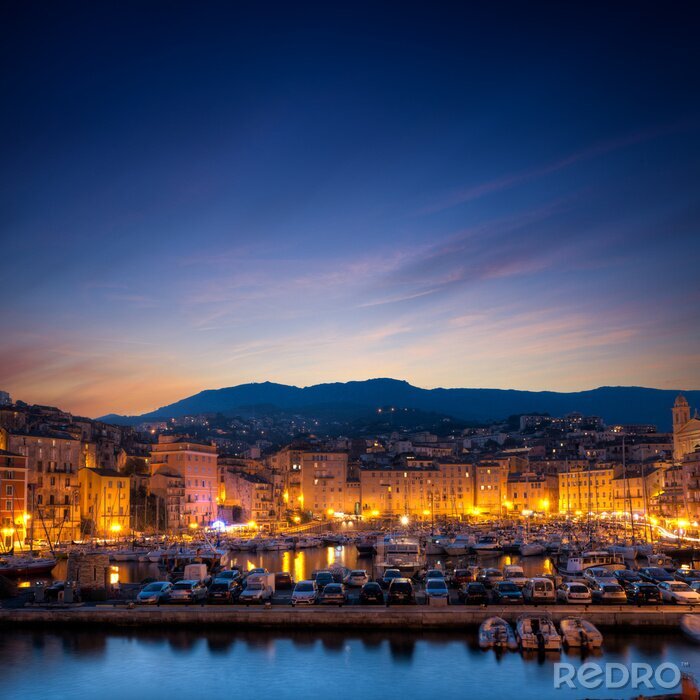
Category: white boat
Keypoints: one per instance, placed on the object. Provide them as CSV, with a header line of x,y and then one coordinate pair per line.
x,y
577,632
537,632
399,552
626,551
531,549
488,544
458,547
576,564
496,633
690,626
436,545
19,566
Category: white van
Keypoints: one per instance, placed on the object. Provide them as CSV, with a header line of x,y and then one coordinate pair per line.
x,y
539,590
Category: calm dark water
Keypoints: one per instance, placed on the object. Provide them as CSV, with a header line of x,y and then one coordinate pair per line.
x,y
86,665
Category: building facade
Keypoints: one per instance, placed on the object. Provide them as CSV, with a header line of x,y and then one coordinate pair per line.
x,y
196,463
105,502
14,515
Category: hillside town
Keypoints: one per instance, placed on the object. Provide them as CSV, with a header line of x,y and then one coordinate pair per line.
x,y
66,478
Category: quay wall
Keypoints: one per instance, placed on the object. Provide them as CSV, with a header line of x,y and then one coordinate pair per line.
x,y
355,617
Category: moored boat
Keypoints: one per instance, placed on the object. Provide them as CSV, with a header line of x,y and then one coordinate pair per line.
x,y
577,632
537,632
531,549
20,567
496,633
690,626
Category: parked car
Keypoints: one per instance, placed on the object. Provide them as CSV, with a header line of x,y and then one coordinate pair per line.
x,y
188,592
323,578
333,594
574,592
506,592
228,575
607,593
460,577
155,593
626,578
434,573
539,590
258,589
223,591
678,592
490,577
687,575
436,588
388,577
356,578
655,574
515,574
644,594
371,594
305,593
473,593
599,574
284,581
401,592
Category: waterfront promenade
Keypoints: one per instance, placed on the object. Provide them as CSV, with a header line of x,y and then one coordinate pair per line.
x,y
419,617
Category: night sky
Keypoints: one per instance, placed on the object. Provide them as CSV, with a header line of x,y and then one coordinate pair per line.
x,y
199,195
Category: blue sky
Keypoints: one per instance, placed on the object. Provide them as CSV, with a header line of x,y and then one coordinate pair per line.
x,y
199,196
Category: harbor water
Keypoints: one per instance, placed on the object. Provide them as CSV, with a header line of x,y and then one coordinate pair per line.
x,y
150,666
303,562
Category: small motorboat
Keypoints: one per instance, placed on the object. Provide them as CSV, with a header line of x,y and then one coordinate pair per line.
x,y
690,626
21,567
366,547
496,633
488,545
577,632
531,549
537,632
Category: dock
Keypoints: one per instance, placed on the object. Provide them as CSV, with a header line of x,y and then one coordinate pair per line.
x,y
419,617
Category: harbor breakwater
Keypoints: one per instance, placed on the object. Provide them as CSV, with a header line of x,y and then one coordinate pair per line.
x,y
352,617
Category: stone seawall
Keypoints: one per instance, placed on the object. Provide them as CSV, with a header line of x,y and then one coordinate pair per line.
x,y
353,617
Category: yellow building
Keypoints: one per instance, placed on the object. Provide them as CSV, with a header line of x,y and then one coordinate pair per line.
x,y
586,490
105,502
636,492
324,476
534,492
686,430
424,490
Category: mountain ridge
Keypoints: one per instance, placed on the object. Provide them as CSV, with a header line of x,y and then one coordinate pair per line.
x,y
615,404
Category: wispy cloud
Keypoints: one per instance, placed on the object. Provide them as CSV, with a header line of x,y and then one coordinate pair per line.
x,y
507,181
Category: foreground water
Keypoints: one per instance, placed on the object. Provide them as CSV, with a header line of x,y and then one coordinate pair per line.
x,y
187,664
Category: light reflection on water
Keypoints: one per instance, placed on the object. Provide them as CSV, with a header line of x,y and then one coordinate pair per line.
x,y
302,562
150,666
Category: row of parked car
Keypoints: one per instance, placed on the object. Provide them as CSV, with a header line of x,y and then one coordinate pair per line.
x,y
598,585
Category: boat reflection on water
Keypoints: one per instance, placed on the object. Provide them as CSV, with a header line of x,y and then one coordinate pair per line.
x,y
302,562
270,664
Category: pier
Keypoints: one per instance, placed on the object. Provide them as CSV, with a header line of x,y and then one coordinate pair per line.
x,y
420,617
